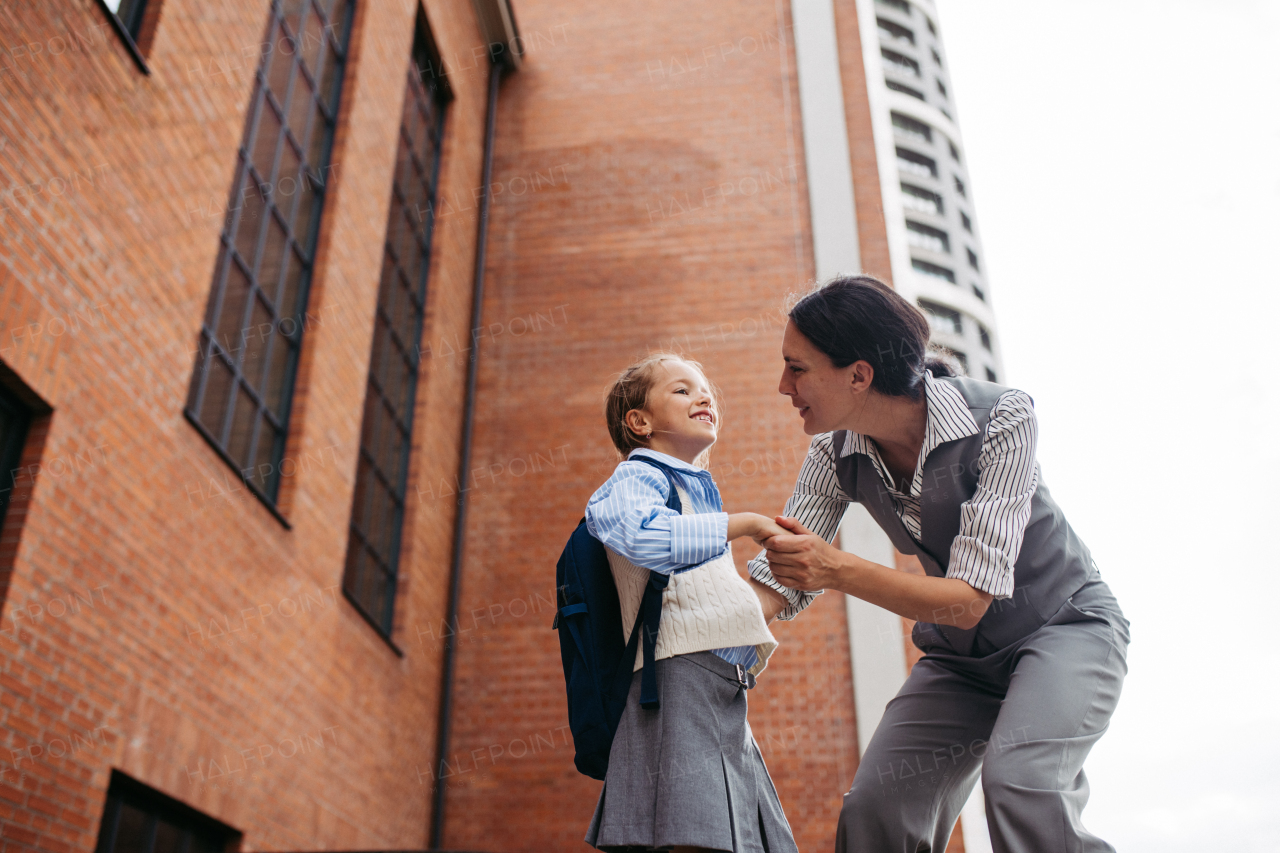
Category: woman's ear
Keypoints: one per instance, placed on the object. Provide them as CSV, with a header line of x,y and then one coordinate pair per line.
x,y
638,422
860,376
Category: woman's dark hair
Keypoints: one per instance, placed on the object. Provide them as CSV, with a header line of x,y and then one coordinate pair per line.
x,y
860,318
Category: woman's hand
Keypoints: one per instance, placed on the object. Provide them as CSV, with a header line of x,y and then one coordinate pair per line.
x,y
802,560
755,525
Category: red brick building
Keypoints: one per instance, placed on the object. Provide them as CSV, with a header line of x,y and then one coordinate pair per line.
x,y
249,401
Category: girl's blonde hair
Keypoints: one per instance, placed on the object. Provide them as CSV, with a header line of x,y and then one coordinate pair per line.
x,y
631,391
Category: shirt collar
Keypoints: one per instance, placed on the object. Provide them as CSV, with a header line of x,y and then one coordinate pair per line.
x,y
678,464
948,419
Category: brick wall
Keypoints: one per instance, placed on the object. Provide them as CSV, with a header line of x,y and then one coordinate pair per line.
x,y
672,213
150,622
650,193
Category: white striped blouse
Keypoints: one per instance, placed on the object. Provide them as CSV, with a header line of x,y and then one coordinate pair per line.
x,y
992,522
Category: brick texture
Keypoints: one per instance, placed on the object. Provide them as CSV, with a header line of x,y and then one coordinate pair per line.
x,y
153,621
680,223
649,193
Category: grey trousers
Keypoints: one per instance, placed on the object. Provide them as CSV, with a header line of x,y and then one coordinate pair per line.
x,y
1024,718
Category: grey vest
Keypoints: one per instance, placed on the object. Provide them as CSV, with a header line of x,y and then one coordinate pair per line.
x,y
1052,564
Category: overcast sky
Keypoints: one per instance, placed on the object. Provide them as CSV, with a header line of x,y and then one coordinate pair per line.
x,y
1125,163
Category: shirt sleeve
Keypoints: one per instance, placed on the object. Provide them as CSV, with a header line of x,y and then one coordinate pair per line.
x,y
818,503
629,514
994,520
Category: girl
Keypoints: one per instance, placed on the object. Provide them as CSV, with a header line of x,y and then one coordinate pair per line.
x,y
688,775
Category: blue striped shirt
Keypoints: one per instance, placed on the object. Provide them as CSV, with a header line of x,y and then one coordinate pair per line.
x,y
629,514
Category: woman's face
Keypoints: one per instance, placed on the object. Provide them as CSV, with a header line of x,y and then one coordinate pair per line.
x,y
827,396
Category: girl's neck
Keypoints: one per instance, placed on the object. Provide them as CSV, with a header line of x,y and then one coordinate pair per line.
x,y
687,455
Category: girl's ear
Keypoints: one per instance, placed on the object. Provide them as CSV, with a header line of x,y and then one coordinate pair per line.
x,y
638,422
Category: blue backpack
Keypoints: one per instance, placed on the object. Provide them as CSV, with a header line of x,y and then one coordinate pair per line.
x,y
598,666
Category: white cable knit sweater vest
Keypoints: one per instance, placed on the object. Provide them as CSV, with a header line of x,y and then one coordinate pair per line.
x,y
710,607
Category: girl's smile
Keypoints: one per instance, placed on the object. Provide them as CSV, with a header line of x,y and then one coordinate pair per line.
x,y
679,417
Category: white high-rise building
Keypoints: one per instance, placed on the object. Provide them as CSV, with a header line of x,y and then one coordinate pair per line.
x,y
934,242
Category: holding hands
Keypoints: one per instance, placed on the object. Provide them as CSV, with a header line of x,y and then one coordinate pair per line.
x,y
799,559
759,527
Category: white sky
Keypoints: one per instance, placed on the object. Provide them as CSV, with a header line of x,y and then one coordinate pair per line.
x,y
1125,163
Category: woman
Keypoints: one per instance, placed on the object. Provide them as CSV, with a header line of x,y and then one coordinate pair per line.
x,y
1024,643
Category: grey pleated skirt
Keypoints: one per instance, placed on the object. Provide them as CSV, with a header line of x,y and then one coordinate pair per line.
x,y
690,772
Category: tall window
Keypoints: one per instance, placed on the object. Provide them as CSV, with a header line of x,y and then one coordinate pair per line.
x,y
252,330
138,819
15,417
377,512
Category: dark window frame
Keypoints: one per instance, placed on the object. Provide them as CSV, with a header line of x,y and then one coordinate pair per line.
x,y
296,93
13,440
914,128
895,31
932,232
917,158
895,86
939,206
902,7
935,311
129,31
200,832
934,270
900,62
371,573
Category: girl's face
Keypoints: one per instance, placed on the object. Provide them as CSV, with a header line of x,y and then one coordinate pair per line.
x,y
679,415
827,396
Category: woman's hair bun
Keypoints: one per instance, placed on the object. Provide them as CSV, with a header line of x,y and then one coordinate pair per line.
x,y
942,362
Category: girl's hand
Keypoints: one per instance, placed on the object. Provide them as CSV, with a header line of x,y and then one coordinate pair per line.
x,y
801,560
752,524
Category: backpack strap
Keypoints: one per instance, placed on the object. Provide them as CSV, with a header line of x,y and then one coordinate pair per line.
x,y
651,607
673,499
